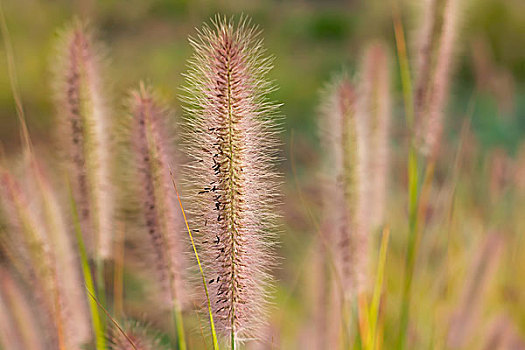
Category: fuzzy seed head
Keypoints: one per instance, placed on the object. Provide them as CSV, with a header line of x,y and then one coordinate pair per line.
x,y
138,334
153,159
84,125
342,134
434,67
374,108
74,307
24,218
232,144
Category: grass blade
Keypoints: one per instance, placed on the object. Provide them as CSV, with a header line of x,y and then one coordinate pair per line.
x,y
376,297
412,174
100,338
212,325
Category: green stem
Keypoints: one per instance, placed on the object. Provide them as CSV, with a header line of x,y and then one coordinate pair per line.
x,y
179,325
100,338
101,286
378,288
212,324
413,240
413,176
232,202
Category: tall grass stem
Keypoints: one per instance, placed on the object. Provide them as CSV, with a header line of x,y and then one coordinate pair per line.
x,y
212,324
100,338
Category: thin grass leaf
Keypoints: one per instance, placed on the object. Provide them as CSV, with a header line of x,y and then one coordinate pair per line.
x,y
115,323
100,339
378,289
212,324
413,175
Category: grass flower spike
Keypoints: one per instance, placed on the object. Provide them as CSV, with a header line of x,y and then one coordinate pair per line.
x,y
134,336
433,69
375,109
233,146
41,255
84,123
161,211
343,141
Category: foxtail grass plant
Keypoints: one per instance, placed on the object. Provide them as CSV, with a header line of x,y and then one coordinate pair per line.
x,y
233,145
434,65
424,108
375,109
37,248
153,157
66,259
340,141
413,175
343,137
84,122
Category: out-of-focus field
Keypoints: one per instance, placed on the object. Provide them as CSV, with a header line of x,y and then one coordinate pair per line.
x,y
470,270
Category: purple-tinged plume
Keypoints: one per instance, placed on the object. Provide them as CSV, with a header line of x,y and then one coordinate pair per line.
x,y
70,282
433,69
343,134
84,123
374,109
25,220
153,158
233,145
134,336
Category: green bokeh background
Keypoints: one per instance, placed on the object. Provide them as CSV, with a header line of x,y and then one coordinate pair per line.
x,y
311,41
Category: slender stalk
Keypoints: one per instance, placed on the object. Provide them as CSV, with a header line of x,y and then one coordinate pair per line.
x,y
118,279
413,176
212,324
376,298
115,323
179,327
413,244
100,285
100,339
404,67
13,80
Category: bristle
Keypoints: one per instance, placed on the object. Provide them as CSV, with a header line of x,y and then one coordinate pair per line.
x,y
153,159
84,124
374,106
233,147
136,337
434,67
